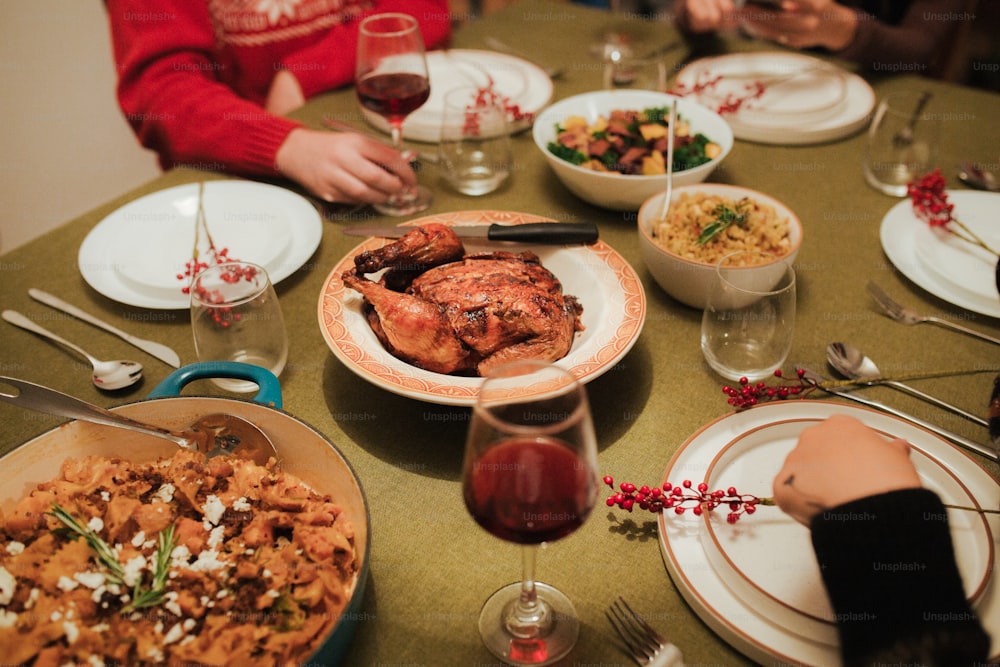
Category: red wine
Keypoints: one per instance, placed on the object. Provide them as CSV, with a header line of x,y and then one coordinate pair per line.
x,y
393,96
529,490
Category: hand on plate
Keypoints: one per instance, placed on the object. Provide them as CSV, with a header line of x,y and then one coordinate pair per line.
x,y
837,461
344,167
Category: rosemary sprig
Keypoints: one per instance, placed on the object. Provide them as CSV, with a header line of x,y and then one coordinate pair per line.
x,y
724,217
106,556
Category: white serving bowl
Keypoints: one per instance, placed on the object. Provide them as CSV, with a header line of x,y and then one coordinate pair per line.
x,y
688,280
619,191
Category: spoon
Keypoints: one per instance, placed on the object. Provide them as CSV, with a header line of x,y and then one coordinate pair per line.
x,y
976,177
671,128
851,362
108,375
215,434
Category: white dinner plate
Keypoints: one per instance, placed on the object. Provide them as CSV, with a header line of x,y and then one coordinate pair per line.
x,y
608,288
756,582
135,254
961,276
807,101
522,82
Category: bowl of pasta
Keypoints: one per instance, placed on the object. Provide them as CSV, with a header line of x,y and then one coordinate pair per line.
x,y
109,534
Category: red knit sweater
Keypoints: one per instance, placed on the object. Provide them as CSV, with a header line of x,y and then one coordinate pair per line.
x,y
194,74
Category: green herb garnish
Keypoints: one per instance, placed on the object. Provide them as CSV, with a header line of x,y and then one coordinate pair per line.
x,y
141,597
724,217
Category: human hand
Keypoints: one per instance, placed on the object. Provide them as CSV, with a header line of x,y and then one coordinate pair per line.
x,y
802,24
344,167
837,461
705,15
285,94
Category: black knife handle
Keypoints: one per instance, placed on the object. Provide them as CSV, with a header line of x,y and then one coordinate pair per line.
x,y
557,233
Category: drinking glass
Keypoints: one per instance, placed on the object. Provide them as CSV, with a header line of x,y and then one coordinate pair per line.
x,y
530,476
749,317
902,143
391,80
475,142
235,316
635,73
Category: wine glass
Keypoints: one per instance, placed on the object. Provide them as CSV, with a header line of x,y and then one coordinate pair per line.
x,y
391,80
530,476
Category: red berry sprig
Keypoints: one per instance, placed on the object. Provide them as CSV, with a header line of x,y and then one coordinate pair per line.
x,y
930,204
683,497
748,394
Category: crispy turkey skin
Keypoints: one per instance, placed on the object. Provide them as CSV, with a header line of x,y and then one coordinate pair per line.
x,y
447,312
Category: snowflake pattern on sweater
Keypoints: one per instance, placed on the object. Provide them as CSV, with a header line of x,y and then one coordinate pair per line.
x,y
249,23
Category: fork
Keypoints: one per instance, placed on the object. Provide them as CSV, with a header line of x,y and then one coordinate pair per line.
x,y
908,316
497,45
646,646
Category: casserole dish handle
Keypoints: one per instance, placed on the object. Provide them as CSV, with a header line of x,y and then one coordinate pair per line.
x,y
269,391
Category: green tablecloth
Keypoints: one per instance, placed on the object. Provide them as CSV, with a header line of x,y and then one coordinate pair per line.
x,y
431,566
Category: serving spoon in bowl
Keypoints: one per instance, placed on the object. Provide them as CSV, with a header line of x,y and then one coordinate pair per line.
x,y
107,375
852,363
215,434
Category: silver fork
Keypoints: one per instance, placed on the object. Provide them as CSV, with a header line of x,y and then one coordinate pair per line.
x,y
646,646
908,316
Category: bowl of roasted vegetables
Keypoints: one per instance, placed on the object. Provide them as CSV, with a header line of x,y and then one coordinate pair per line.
x,y
610,147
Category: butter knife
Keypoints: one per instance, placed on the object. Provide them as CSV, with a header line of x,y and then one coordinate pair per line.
x,y
959,440
158,350
548,233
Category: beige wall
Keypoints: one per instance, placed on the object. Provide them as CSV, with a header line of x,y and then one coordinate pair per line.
x,y
64,146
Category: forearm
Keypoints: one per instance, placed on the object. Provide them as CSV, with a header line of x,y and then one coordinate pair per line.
x,y
913,45
888,566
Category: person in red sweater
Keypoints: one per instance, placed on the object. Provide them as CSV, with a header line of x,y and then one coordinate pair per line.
x,y
207,83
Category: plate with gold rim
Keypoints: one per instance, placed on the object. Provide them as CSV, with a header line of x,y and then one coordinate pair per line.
x,y
756,582
608,288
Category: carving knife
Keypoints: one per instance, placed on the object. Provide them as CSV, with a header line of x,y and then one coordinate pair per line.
x,y
548,233
158,350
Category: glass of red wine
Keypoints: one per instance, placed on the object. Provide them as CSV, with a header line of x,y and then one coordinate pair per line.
x,y
391,80
530,476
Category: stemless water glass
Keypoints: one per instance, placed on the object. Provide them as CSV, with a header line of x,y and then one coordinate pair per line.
x,y
392,80
235,316
530,476
475,142
902,143
749,317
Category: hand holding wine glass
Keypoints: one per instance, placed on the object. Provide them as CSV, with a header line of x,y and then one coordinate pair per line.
x,y
530,476
392,80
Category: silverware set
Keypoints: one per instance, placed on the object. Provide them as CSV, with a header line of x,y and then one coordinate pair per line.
x,y
107,375
852,364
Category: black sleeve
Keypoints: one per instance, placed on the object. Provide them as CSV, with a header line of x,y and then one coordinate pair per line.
x,y
889,568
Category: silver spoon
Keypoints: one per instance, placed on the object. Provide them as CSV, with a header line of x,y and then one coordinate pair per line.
x,y
107,375
214,435
976,177
851,362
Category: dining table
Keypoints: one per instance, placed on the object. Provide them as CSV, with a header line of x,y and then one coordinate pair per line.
x,y
432,566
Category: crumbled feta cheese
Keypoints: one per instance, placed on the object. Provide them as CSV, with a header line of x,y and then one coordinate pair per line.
x,y
132,570
155,654
55,616
95,661
216,537
213,509
272,594
66,584
96,524
92,580
173,634
7,618
171,603
32,598
241,504
179,556
14,548
72,632
139,538
189,624
165,493
208,560
8,584
105,496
